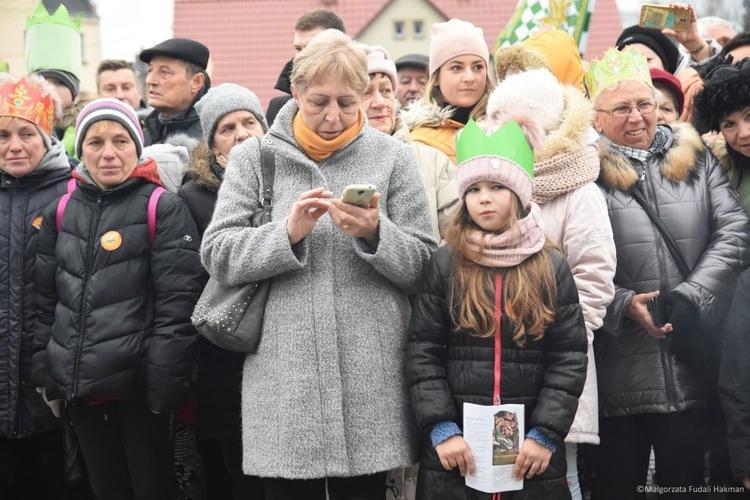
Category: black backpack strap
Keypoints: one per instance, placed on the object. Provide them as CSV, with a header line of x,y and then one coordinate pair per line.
x,y
674,250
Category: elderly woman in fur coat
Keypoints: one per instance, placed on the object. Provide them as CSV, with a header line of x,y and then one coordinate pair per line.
x,y
656,385
229,114
324,404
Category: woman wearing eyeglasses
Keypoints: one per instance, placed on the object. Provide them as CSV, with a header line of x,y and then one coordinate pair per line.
x,y
655,378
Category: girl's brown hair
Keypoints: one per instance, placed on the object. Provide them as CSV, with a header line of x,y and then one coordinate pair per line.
x,y
529,289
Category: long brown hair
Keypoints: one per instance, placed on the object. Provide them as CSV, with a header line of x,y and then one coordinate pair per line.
x,y
529,289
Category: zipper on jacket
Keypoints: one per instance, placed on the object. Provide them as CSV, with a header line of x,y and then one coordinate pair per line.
x,y
82,308
666,359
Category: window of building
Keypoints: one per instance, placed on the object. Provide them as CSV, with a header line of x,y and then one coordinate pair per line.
x,y
418,29
399,30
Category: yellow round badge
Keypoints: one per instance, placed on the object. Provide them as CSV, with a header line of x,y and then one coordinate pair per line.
x,y
111,240
37,222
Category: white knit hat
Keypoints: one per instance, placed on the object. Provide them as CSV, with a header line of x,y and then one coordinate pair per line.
x,y
379,62
535,94
456,38
112,110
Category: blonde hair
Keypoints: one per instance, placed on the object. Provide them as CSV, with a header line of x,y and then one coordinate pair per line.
x,y
331,54
433,96
45,87
529,289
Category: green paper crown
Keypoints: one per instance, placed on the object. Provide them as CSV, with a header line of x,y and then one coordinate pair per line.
x,y
61,16
507,142
53,41
616,66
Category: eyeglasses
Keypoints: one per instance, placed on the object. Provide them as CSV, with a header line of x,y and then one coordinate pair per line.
x,y
728,71
644,108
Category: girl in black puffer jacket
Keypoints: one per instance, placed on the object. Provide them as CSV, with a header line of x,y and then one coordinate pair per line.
x,y
497,248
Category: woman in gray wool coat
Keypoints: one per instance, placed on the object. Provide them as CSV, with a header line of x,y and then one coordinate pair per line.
x,y
324,403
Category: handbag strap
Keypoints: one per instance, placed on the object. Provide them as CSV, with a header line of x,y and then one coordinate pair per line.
x,y
674,250
268,165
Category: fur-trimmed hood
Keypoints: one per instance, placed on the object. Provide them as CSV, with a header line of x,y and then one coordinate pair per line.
x,y
570,136
423,114
200,167
517,59
679,154
720,151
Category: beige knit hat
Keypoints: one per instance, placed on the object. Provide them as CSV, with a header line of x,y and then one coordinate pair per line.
x,y
456,38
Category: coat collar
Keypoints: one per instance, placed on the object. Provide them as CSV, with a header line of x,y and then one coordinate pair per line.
x,y
676,158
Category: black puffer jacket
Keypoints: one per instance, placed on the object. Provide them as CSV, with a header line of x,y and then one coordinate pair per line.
x,y
691,193
734,379
22,202
446,369
116,323
219,370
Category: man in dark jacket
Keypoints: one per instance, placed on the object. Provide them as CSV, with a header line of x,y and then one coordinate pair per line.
x,y
309,25
176,80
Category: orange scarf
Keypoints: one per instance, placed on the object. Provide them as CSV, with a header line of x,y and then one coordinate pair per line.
x,y
318,148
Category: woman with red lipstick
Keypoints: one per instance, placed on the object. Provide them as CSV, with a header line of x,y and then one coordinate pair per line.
x,y
724,106
457,89
682,237
497,321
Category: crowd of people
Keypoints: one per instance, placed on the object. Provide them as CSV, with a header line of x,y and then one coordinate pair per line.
x,y
565,235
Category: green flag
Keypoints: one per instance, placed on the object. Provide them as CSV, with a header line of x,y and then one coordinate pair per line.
x,y
572,16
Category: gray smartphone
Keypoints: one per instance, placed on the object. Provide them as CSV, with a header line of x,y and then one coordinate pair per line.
x,y
359,195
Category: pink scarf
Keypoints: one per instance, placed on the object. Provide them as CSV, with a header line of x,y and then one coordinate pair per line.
x,y
511,247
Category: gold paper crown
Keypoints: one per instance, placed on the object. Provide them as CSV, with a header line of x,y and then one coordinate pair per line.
x,y
23,99
616,66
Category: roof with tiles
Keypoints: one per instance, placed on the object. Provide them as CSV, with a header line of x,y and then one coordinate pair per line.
x,y
251,40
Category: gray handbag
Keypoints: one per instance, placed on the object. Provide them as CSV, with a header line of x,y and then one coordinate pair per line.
x,y
231,317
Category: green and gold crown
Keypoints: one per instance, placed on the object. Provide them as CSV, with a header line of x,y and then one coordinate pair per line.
x,y
53,41
507,142
616,66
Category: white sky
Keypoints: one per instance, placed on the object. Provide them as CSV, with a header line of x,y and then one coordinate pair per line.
x,y
129,26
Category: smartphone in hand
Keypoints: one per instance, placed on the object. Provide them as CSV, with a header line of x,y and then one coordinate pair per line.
x,y
663,16
657,307
359,195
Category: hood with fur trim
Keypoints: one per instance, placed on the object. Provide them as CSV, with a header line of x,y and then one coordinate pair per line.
x,y
517,59
423,114
680,153
570,136
200,167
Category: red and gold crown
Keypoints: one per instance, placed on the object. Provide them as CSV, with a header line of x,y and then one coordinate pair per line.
x,y
23,99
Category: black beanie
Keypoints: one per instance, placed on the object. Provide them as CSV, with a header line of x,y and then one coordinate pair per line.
x,y
653,39
725,90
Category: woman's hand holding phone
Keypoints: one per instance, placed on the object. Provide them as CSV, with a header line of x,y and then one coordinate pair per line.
x,y
309,207
355,221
